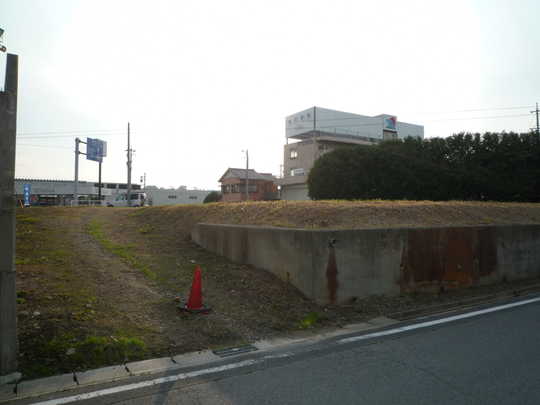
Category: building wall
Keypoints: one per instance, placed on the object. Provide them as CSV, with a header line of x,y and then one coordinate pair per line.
x,y
160,197
405,130
295,192
259,190
340,266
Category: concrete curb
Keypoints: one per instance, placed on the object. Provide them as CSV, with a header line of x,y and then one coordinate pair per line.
x,y
65,382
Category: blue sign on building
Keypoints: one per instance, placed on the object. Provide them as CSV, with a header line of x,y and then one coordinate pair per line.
x,y
27,189
96,149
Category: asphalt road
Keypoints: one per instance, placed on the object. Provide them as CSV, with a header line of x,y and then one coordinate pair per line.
x,y
489,359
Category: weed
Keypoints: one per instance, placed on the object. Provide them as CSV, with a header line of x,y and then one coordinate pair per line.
x,y
66,352
310,320
145,229
95,351
23,219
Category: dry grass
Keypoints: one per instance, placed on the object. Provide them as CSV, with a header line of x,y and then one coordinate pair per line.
x,y
343,214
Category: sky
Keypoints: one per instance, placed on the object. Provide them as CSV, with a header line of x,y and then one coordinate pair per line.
x,y
200,82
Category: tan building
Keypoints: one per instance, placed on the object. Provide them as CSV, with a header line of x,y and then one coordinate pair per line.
x,y
320,130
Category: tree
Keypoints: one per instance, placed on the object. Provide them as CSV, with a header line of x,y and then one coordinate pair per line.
x,y
213,196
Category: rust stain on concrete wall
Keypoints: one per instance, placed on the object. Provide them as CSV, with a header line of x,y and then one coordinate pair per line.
x,y
447,257
331,273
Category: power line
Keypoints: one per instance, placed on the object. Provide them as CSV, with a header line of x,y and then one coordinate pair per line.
x,y
42,146
480,118
473,110
70,131
58,136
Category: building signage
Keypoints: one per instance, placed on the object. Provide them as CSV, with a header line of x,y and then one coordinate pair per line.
x,y
390,124
96,149
27,191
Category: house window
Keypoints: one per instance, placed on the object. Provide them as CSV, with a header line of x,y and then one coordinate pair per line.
x,y
172,197
297,172
192,197
294,153
323,147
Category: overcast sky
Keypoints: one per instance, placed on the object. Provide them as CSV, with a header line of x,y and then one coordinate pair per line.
x,y
200,81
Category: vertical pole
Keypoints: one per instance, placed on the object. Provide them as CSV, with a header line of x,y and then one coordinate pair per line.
x,y
99,184
76,184
537,122
247,175
128,196
8,300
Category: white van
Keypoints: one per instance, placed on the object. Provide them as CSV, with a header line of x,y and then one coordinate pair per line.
x,y
138,199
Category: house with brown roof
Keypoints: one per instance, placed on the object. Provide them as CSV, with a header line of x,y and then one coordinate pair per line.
x,y
261,186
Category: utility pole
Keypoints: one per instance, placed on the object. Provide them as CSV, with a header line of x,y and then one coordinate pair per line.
x,y
76,183
537,120
8,295
129,155
99,184
247,175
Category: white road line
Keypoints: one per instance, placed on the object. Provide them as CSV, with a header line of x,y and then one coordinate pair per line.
x,y
436,321
246,363
149,383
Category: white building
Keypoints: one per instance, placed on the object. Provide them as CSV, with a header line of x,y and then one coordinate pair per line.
x,y
320,130
160,196
60,192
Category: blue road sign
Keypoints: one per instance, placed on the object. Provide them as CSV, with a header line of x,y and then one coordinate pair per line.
x,y
96,149
27,189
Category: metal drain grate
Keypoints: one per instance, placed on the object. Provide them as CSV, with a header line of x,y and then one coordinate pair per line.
x,y
231,351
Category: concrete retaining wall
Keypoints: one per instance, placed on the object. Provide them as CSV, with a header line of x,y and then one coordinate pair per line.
x,y
338,266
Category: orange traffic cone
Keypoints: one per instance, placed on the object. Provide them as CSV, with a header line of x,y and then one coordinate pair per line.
x,y
195,303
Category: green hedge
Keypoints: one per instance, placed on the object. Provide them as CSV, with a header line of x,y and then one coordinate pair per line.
x,y
492,166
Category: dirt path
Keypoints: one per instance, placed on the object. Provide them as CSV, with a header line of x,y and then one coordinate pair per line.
x,y
72,290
